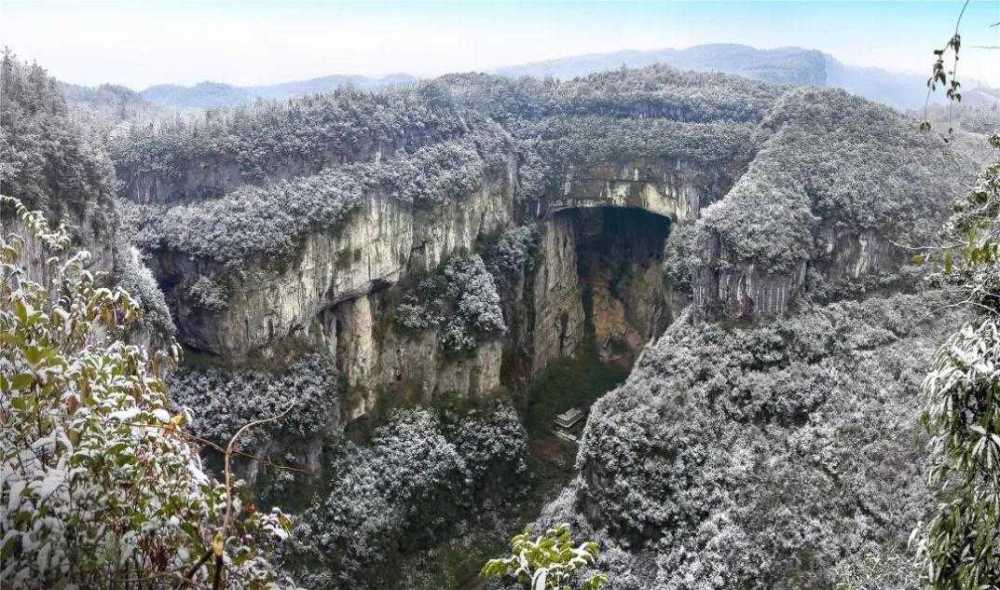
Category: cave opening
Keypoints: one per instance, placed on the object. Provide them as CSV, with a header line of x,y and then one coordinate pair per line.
x,y
619,253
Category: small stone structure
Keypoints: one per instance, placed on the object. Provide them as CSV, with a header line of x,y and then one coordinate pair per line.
x,y
565,422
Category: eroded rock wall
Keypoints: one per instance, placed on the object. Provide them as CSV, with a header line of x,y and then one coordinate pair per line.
x,y
259,304
558,300
382,365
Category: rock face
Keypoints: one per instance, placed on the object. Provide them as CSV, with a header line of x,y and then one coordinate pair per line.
x,y
380,364
672,188
558,300
380,243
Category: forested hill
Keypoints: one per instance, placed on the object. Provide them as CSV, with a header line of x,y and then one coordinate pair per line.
x,y
787,65
47,161
210,95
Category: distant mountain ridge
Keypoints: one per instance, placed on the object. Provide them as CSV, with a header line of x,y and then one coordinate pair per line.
x,y
206,95
786,65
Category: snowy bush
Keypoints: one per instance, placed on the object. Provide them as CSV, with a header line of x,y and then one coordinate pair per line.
x,y
101,485
459,300
404,491
220,401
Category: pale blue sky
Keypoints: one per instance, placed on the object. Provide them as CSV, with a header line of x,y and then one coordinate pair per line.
x,y
140,43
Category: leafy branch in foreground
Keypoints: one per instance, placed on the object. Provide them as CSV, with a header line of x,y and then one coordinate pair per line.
x,y
946,78
550,562
959,549
101,487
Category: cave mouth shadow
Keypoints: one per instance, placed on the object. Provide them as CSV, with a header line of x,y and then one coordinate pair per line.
x,y
620,255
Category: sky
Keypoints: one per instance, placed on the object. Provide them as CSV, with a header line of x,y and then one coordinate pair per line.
x,y
144,42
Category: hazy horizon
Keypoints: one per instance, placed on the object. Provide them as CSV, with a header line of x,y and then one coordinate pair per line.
x,y
160,42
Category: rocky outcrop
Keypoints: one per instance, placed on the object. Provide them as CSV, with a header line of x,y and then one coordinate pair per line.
x,y
846,262
558,301
675,189
381,365
265,301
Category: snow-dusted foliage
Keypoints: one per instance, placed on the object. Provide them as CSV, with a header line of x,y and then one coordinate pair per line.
x,y
100,486
271,219
220,401
760,457
958,547
135,277
551,561
512,254
417,478
459,301
836,161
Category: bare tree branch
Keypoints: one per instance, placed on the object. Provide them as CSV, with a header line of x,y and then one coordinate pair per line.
x,y
228,519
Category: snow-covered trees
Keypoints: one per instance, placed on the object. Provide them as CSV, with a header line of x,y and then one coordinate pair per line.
x,y
460,301
221,401
420,475
45,160
100,485
765,456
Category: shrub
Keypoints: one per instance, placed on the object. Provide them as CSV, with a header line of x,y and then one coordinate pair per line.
x,y
421,474
459,300
101,485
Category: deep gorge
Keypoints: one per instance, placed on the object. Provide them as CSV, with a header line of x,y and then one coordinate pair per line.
x,y
419,279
